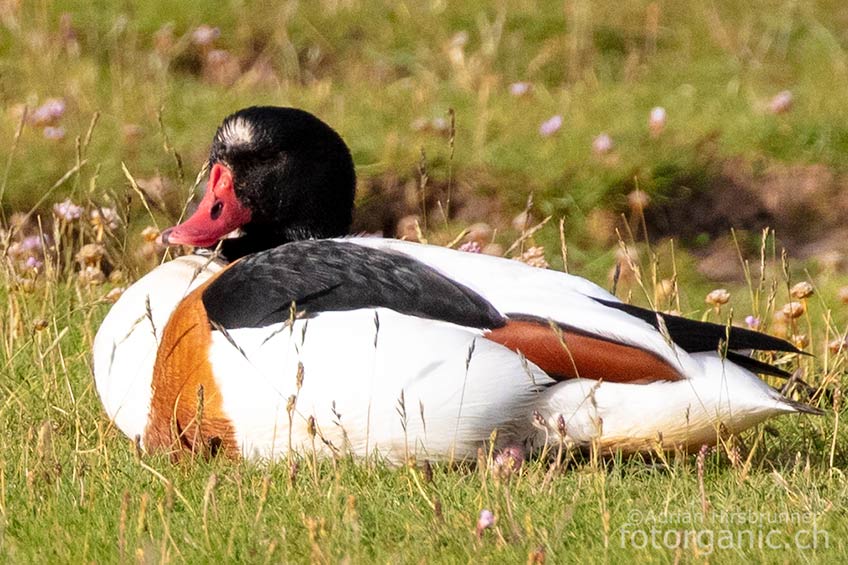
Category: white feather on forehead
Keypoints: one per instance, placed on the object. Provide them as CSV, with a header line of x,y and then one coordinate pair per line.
x,y
236,131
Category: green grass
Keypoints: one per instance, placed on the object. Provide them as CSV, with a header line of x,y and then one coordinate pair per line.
x,y
73,489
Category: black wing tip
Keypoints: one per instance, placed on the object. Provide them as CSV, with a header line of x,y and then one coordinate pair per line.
x,y
705,336
803,408
756,366
785,346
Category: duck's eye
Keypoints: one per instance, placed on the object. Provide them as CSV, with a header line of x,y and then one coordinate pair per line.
x,y
217,208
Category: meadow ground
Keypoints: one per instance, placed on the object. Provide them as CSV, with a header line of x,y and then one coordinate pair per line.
x,y
456,113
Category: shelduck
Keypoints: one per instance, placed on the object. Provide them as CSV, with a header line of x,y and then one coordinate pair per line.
x,y
294,337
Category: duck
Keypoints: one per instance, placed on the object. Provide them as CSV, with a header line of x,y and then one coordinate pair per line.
x,y
295,337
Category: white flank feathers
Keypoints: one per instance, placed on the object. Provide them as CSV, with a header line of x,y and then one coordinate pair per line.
x,y
126,343
363,385
684,413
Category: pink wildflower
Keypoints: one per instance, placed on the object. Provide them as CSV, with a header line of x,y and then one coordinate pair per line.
x,y
550,126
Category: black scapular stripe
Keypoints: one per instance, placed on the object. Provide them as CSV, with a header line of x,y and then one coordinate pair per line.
x,y
326,275
694,336
756,366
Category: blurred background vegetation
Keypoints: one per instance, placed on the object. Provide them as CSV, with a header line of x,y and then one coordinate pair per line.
x,y
551,99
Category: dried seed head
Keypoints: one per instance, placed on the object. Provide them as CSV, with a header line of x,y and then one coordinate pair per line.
x,y
638,200
802,290
539,420
104,217
800,341
116,276
562,429
148,251
310,427
150,234
90,254
407,228
842,293
794,309
508,461
298,379
20,221
535,257
837,345
92,276
39,324
113,295
664,290
522,221
718,297
480,233
494,249
779,326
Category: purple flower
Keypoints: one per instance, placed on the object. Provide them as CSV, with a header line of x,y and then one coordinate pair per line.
x,y
781,103
440,124
67,210
486,520
509,460
218,57
656,120
602,144
520,88
31,243
54,133
33,263
752,322
204,35
471,247
105,216
550,126
48,113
